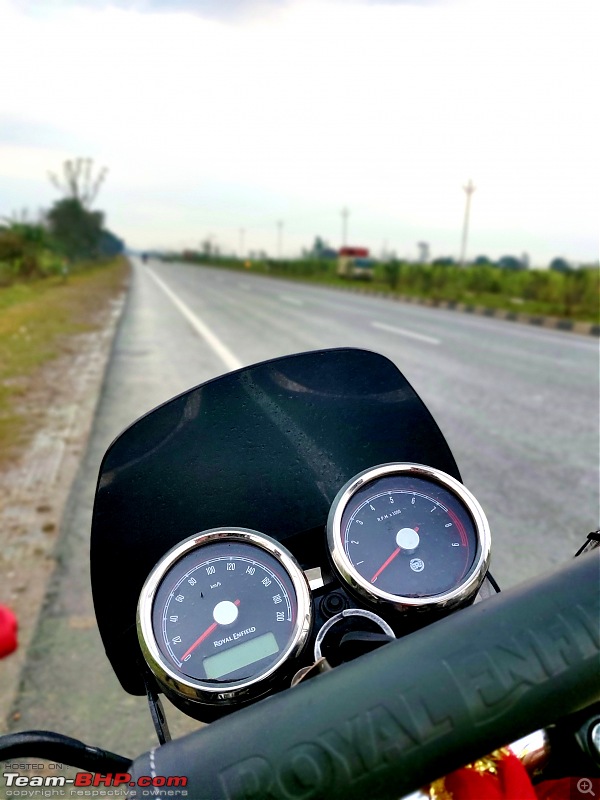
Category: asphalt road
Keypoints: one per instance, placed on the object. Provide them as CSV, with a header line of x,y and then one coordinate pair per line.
x,y
518,405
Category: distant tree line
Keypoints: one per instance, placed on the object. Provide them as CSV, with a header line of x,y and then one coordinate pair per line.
x,y
68,234
506,284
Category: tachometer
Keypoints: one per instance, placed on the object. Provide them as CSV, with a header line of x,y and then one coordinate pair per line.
x,y
221,615
410,536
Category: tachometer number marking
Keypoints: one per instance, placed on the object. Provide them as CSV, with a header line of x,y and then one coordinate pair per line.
x,y
400,550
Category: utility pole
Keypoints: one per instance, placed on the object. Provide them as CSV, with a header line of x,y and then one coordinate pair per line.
x,y
469,189
279,239
242,232
345,214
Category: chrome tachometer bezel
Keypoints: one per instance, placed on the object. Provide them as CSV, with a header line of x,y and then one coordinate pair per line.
x,y
459,595
183,688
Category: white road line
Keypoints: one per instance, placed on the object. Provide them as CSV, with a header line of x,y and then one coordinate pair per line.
x,y
224,353
293,300
403,332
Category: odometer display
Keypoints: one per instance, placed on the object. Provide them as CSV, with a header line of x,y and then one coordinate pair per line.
x,y
242,655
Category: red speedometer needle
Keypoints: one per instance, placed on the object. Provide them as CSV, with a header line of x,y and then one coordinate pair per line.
x,y
206,633
201,638
385,564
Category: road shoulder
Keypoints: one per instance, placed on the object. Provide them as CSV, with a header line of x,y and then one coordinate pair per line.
x,y
35,487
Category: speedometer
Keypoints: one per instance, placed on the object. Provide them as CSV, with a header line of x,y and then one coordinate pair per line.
x,y
222,615
409,536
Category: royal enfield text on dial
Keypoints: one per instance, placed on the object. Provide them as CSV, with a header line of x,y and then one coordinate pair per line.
x,y
407,541
226,614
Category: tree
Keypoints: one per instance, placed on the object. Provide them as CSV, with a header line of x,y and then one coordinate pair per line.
x,y
483,261
110,245
560,265
320,250
511,262
78,182
77,231
392,274
22,245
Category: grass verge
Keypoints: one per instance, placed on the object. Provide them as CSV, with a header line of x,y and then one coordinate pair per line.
x,y
574,296
38,323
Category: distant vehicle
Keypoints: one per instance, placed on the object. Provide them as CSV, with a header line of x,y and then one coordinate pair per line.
x,y
144,257
354,262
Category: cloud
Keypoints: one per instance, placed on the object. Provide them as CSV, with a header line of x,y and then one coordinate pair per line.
x,y
208,9
27,132
224,10
385,107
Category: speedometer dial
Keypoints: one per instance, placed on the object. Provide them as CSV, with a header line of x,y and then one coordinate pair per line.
x,y
409,535
222,614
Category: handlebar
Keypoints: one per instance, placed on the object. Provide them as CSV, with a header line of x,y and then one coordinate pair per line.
x,y
412,711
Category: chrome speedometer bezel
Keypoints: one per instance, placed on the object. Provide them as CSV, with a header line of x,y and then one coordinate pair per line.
x,y
182,688
460,594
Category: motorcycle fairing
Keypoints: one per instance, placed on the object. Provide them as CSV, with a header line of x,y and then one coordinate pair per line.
x,y
266,447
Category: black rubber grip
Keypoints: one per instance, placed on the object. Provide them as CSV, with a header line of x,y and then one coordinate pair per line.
x,y
63,749
414,710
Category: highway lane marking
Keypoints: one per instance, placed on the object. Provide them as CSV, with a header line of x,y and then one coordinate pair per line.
x,y
293,300
403,332
224,353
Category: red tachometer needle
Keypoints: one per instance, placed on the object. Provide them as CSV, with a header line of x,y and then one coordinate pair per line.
x,y
201,638
385,564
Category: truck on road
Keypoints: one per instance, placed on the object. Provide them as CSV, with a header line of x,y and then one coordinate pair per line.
x,y
354,262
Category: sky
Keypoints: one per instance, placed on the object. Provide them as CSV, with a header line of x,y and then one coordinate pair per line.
x,y
222,118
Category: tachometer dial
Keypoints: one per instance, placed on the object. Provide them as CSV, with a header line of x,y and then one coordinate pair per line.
x,y
409,535
221,615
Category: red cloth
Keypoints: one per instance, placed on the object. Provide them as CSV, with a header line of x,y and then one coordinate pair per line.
x,y
500,776
8,631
